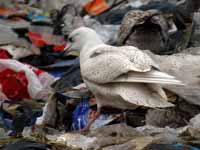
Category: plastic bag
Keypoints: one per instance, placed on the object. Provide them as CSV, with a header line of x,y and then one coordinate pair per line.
x,y
17,52
108,33
20,81
96,7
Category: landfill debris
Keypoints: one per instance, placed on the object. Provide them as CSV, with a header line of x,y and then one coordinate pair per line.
x,y
108,32
179,116
68,20
26,81
96,7
194,122
137,24
17,52
7,36
120,135
77,141
48,114
70,78
2,133
195,36
49,102
164,23
137,144
179,64
170,147
20,145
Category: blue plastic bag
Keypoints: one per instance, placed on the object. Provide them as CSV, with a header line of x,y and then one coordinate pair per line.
x,y
79,116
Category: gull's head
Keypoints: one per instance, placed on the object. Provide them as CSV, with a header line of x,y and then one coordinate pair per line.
x,y
82,38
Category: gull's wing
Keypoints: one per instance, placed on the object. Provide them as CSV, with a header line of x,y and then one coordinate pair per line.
x,y
109,64
141,95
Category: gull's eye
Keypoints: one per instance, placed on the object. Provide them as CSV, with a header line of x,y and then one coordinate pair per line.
x,y
71,40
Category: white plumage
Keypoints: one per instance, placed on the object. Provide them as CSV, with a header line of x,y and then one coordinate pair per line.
x,y
122,77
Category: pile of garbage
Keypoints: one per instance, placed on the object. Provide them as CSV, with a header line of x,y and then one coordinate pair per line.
x,y
44,102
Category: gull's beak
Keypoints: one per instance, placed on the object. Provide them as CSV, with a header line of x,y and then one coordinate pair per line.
x,y
66,50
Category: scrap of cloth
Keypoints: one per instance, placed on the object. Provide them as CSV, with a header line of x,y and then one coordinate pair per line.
x,y
19,81
14,84
4,54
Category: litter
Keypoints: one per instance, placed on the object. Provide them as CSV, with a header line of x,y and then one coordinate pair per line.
x,y
26,81
49,101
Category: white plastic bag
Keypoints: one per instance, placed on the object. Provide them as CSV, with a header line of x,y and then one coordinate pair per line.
x,y
37,83
108,33
17,52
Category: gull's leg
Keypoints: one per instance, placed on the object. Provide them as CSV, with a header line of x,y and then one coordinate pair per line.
x,y
94,116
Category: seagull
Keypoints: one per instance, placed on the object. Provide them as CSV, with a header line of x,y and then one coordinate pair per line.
x,y
121,77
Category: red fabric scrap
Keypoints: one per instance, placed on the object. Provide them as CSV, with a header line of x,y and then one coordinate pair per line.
x,y
4,11
36,39
59,48
4,54
96,7
14,84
